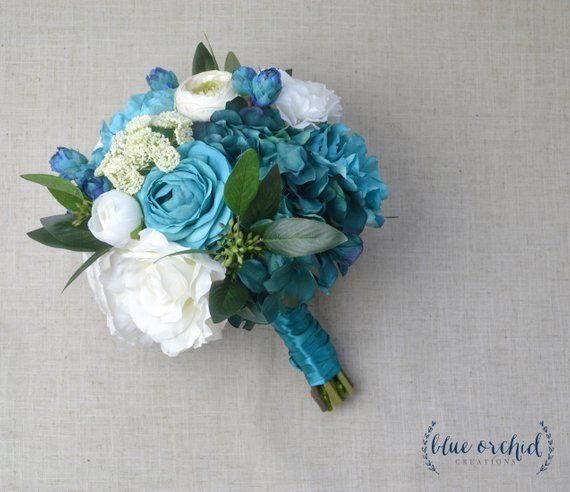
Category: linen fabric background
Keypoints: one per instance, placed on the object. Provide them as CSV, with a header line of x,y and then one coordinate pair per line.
x,y
457,311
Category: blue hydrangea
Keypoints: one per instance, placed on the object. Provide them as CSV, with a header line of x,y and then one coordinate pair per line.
x,y
232,131
333,177
152,102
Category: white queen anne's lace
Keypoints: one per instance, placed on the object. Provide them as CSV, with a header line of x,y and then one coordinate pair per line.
x,y
145,142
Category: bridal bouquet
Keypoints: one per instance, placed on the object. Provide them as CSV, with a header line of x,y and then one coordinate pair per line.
x,y
233,196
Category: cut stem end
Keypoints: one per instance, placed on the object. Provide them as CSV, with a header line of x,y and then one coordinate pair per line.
x,y
333,393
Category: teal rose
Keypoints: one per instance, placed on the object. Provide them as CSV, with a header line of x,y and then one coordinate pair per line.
x,y
187,204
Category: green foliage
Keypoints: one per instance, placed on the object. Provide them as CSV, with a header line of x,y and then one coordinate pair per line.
x,y
266,203
92,259
243,183
65,192
227,297
232,63
61,228
203,60
301,237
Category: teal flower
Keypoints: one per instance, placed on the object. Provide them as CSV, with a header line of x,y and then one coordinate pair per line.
x,y
156,101
74,166
266,87
353,194
159,79
187,204
67,163
263,88
232,132
241,80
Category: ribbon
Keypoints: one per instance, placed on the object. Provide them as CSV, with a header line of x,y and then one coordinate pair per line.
x,y
310,349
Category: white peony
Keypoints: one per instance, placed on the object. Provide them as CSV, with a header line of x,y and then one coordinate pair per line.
x,y
164,301
199,96
114,216
302,104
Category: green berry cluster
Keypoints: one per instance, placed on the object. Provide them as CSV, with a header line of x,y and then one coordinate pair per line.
x,y
236,246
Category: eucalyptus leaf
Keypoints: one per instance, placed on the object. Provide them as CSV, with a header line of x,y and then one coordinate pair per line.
x,y
266,203
61,228
232,62
203,60
92,259
301,237
227,297
243,183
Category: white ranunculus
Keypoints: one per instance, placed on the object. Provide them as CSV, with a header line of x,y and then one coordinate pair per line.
x,y
199,96
114,216
302,104
164,301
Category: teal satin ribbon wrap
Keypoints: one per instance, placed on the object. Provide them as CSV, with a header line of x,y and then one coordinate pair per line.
x,y
310,348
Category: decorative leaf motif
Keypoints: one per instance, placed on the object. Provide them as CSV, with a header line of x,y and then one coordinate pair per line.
x,y
266,203
243,183
301,237
550,441
227,297
92,259
61,228
232,63
203,60
427,461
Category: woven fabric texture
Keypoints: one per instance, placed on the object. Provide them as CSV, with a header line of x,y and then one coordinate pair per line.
x,y
456,312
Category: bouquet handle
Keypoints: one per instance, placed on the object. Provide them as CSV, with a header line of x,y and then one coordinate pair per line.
x,y
311,351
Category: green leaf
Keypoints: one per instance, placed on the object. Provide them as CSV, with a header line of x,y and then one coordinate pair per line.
x,y
44,237
253,314
216,67
266,203
61,228
232,63
227,297
187,252
203,60
243,183
65,192
300,237
92,259
260,226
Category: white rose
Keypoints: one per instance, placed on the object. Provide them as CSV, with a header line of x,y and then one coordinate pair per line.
x,y
302,104
114,216
199,96
164,301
